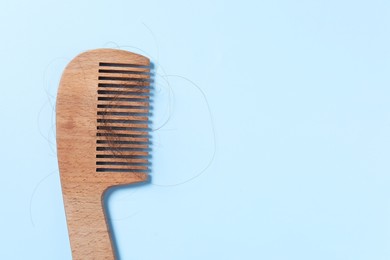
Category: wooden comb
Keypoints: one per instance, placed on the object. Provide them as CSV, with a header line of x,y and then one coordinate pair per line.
x,y
102,140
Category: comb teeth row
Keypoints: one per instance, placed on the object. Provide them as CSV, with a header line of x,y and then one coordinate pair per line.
x,y
123,99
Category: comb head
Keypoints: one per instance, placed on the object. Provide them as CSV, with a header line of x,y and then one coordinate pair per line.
x,y
102,139
102,118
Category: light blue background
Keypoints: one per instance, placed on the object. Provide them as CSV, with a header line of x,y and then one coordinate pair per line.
x,y
299,98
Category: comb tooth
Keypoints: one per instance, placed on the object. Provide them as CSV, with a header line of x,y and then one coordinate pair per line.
x,y
123,103
120,149
124,74
129,167
140,146
121,78
121,133
119,165
123,86
117,70
123,157
119,90
125,92
122,145
120,111
100,161
121,64
116,125
122,153
123,82
122,117
127,122
124,66
123,112
121,96
107,108
114,138
124,171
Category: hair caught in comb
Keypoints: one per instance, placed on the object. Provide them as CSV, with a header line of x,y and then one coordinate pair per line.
x,y
122,143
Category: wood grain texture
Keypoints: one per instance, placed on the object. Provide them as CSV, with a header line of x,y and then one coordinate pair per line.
x,y
102,139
